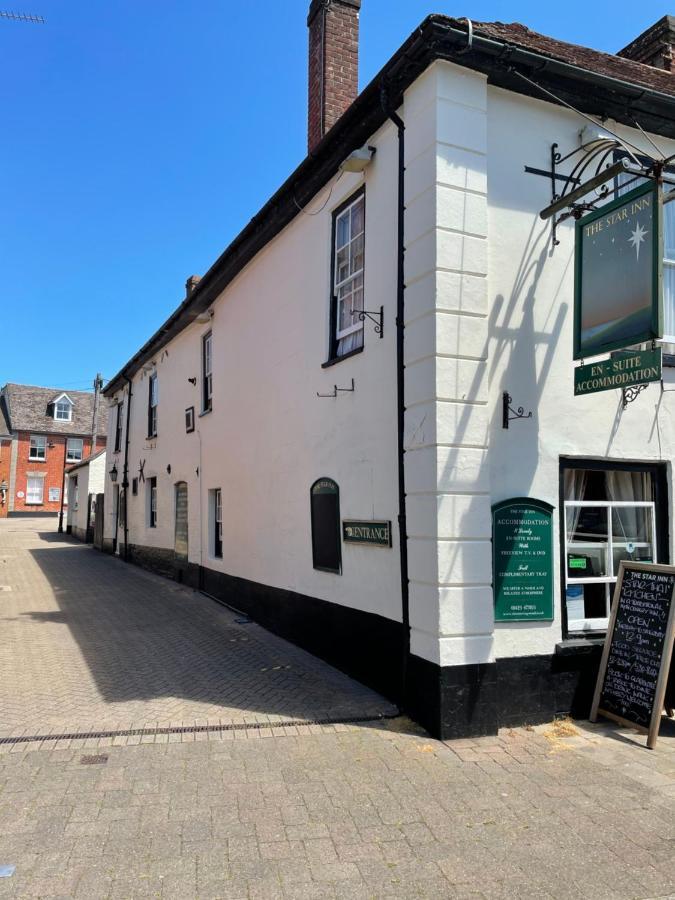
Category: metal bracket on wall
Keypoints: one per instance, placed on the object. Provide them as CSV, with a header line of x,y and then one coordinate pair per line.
x,y
336,390
516,413
141,473
376,317
631,393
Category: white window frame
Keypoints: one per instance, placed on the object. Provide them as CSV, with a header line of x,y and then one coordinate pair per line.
x,y
207,372
69,457
35,479
626,183
152,502
63,406
37,442
579,626
354,275
218,521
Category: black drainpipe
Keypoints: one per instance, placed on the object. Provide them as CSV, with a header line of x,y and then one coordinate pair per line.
x,y
400,402
125,474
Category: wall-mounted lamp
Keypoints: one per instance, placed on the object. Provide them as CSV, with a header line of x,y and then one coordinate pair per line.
x,y
113,474
3,492
193,381
358,160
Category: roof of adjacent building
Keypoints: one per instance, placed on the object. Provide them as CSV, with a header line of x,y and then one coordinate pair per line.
x,y
4,417
27,409
510,55
85,462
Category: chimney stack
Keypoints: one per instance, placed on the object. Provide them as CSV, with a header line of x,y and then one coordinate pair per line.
x,y
655,46
333,63
191,284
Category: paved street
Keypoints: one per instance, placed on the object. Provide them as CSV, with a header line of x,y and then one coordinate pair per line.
x,y
91,644
256,809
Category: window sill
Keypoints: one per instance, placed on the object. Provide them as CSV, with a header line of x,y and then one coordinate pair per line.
x,y
204,412
35,459
337,359
577,646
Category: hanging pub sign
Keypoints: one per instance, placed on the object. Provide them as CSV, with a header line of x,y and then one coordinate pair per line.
x,y
618,273
522,560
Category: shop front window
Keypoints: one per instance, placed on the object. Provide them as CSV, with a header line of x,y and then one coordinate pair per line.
x,y
609,516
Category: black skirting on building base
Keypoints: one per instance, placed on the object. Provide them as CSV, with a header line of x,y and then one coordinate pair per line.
x,y
449,701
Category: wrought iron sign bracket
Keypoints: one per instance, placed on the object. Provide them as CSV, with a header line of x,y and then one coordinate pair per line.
x,y
376,317
510,415
596,157
336,390
631,393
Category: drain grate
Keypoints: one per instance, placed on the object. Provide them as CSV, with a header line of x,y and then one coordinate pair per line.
x,y
99,760
196,729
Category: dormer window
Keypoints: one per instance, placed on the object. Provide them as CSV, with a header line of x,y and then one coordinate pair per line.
x,y
63,408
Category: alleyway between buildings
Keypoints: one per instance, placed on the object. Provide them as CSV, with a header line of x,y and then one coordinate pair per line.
x,y
152,744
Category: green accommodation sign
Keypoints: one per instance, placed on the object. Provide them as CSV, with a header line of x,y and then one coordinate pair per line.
x,y
522,560
618,273
623,370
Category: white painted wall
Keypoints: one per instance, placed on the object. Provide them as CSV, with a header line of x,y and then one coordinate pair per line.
x,y
90,480
269,436
447,475
531,294
488,308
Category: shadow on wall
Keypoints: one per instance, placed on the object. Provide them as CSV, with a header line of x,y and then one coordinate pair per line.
x,y
143,638
511,332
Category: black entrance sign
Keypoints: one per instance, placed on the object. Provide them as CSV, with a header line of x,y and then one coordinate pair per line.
x,y
636,658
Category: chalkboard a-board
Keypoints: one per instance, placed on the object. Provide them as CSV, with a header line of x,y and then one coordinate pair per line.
x,y
635,661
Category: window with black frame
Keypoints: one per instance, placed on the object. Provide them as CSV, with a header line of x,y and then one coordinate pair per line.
x,y
118,429
349,232
153,399
627,182
207,378
325,513
152,502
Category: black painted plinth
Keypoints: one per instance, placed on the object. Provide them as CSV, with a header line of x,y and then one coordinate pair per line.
x,y
449,701
165,562
364,645
476,700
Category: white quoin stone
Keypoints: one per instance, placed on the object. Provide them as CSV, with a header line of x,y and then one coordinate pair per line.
x,y
446,353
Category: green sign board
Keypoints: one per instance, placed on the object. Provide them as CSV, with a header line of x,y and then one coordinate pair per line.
x,y
621,371
522,560
376,534
618,273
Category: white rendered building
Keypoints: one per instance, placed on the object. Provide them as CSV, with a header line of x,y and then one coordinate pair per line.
x,y
333,474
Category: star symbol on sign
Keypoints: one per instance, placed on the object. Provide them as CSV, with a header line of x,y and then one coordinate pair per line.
x,y
636,238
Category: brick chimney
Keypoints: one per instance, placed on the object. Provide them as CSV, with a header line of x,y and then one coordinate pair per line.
x,y
333,63
655,46
191,284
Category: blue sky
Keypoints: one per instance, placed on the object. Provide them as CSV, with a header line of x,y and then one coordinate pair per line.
x,y
138,138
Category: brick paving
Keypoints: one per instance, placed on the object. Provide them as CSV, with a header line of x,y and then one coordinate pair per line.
x,y
342,812
90,643
305,811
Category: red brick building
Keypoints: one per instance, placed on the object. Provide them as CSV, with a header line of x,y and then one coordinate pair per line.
x,y
42,431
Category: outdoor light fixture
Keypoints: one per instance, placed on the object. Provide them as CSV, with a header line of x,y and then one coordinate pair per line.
x,y
113,473
358,160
